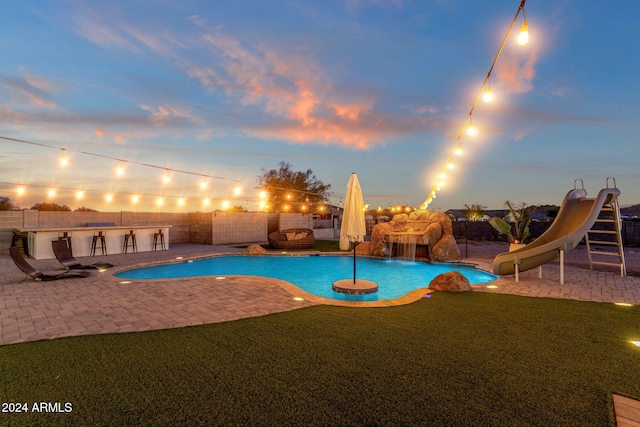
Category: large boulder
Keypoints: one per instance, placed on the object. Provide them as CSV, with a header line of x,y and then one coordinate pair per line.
x,y
445,250
452,281
254,250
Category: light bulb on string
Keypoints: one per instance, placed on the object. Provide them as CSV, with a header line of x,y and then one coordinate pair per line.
x,y
458,150
181,201
206,202
523,37
488,95
135,199
108,198
237,190
203,184
21,190
120,170
79,194
64,161
225,205
159,201
471,130
167,177
51,193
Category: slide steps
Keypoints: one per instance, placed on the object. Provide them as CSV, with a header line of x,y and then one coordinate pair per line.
x,y
604,235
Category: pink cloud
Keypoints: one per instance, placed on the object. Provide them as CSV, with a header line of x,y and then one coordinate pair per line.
x,y
32,90
514,74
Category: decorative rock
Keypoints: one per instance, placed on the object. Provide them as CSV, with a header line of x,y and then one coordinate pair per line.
x,y
445,250
433,234
254,250
450,282
363,248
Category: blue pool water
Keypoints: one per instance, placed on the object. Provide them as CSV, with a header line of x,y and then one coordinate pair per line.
x,y
316,274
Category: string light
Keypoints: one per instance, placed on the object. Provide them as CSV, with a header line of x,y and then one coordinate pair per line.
x,y
109,198
79,194
486,95
523,37
64,161
203,184
52,192
159,201
21,190
167,177
120,170
135,199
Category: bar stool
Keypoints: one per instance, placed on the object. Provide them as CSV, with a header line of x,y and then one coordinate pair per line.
x,y
99,236
23,238
158,237
66,235
130,237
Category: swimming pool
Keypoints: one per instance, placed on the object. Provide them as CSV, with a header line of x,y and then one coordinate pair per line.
x,y
315,274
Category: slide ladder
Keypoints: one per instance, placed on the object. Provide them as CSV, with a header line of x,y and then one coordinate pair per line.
x,y
604,239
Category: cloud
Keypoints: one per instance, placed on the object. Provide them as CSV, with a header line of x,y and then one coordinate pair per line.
x,y
31,90
514,74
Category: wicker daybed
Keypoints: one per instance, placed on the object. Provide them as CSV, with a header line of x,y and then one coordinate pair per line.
x,y
292,238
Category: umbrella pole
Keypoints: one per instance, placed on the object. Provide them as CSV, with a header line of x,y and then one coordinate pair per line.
x,y
354,262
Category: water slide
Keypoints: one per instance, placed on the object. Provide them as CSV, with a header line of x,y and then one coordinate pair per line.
x,y
575,218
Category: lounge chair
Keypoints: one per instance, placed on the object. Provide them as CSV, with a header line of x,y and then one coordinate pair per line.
x,y
293,238
23,265
65,257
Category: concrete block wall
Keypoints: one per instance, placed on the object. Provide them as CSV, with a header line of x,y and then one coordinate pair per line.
x,y
294,220
8,221
238,227
201,228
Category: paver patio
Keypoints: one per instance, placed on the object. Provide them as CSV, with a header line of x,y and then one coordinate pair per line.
x,y
101,304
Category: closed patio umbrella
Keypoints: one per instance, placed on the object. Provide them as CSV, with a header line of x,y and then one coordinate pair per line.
x,y
353,227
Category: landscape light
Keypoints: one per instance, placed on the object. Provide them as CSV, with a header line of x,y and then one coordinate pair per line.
x,y
636,343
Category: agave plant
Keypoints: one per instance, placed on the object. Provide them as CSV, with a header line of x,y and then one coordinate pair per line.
x,y
521,217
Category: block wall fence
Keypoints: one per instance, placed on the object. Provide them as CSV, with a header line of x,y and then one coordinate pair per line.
x,y
209,228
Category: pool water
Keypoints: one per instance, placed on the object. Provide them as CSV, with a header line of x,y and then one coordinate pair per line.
x,y
316,274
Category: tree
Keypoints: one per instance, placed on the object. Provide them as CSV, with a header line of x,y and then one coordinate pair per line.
x,y
288,190
83,209
474,212
6,204
50,207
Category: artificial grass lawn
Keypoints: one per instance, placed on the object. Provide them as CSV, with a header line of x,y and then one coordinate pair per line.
x,y
453,359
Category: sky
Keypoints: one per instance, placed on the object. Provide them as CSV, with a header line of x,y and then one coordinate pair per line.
x,y
222,91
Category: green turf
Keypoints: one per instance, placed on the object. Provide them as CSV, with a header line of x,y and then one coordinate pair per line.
x,y
468,359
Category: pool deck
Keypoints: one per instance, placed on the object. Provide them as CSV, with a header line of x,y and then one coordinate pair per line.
x,y
101,304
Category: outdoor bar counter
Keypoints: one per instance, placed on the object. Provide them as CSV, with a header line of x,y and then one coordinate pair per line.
x,y
40,238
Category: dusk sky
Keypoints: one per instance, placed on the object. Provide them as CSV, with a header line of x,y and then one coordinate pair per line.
x,y
377,87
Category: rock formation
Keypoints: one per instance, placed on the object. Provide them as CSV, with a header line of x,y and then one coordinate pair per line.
x,y
254,250
450,282
433,229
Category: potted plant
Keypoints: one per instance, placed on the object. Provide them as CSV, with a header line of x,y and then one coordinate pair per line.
x,y
519,234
